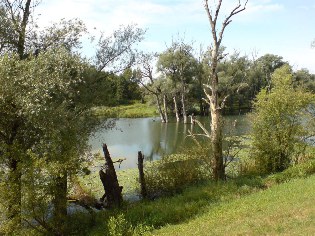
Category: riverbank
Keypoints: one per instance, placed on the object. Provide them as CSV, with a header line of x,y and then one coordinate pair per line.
x,y
135,110
276,204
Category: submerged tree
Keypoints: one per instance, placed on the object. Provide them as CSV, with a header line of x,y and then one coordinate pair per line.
x,y
178,64
212,89
147,79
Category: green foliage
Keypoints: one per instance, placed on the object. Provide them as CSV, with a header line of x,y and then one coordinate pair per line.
x,y
279,123
118,226
43,131
297,171
172,173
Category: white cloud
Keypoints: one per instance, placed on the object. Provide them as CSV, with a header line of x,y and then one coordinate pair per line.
x,y
108,15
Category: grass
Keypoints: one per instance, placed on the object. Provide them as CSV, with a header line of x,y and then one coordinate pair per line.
x,y
177,209
285,209
281,203
136,110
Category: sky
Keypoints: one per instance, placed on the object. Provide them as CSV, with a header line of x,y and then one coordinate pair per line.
x,y
281,27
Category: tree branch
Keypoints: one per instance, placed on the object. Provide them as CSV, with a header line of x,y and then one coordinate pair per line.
x,y
228,20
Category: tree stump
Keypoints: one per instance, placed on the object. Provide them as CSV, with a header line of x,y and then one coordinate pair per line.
x,y
110,182
141,175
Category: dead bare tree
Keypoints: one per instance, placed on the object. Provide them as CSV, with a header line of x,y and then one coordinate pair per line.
x,y
211,89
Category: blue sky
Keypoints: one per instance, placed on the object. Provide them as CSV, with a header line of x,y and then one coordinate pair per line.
x,y
281,27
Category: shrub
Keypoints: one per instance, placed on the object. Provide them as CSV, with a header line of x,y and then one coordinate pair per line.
x,y
172,173
279,123
119,226
297,171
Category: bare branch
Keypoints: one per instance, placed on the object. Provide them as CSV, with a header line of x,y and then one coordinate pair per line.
x,y
203,128
224,101
212,22
194,137
207,101
208,86
228,20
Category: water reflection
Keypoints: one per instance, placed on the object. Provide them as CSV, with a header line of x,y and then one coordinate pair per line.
x,y
154,138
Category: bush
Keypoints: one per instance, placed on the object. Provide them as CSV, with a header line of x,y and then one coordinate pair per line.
x,y
297,171
119,226
279,123
172,173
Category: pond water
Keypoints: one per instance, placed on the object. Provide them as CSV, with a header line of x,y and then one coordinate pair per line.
x,y
153,138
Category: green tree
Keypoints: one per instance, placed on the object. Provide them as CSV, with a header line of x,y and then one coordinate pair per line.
x,y
147,79
279,122
178,63
51,135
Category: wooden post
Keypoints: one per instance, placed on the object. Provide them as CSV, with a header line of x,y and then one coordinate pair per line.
x,y
144,193
110,181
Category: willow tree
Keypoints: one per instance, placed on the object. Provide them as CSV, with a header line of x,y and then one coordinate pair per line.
x,y
211,89
178,64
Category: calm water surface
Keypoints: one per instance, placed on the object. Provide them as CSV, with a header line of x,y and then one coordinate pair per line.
x,y
154,138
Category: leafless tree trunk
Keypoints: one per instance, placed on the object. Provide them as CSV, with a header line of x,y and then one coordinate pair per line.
x,y
211,90
183,92
159,107
176,109
165,108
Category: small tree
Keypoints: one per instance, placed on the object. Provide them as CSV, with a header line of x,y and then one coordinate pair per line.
x,y
279,123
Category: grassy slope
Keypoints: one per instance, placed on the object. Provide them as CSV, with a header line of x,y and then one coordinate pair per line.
x,y
285,209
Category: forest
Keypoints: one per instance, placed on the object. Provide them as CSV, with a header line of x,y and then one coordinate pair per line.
x,y
53,98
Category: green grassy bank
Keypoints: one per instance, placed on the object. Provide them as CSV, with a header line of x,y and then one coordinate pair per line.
x,y
243,206
285,209
282,203
135,110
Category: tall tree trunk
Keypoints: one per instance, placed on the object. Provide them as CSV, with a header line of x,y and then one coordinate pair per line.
x,y
14,192
183,93
158,103
216,143
216,122
165,108
184,108
22,30
14,184
215,108
176,109
60,204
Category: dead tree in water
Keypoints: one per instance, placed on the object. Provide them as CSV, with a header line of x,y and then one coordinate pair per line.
x,y
110,182
143,192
